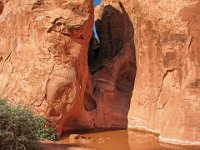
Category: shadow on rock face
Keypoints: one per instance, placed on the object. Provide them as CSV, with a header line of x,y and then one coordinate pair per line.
x,y
112,64
89,103
1,7
111,32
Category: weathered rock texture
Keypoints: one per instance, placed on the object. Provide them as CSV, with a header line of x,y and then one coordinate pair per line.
x,y
113,68
43,64
166,97
43,56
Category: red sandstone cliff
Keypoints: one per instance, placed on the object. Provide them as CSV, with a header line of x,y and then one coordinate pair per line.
x,y
166,97
43,55
43,64
166,94
112,68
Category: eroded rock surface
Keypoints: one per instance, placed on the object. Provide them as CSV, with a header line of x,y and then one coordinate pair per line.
x,y
166,97
112,69
43,55
43,64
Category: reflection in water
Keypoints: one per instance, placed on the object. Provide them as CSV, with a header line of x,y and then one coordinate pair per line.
x,y
129,140
138,141
146,141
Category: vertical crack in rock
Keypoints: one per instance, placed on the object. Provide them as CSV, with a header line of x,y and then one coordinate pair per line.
x,y
6,58
163,78
161,88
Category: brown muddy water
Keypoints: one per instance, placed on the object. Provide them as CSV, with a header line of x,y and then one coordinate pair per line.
x,y
118,140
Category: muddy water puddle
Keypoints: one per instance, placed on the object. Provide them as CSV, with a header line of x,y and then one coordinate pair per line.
x,y
121,140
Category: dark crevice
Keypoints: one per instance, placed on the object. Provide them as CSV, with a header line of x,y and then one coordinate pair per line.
x,y
108,40
112,65
93,54
95,62
1,7
89,103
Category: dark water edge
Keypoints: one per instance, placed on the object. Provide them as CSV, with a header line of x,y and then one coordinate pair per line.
x,y
126,140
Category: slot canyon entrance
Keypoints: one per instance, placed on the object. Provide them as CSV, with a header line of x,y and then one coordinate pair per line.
x,y
112,67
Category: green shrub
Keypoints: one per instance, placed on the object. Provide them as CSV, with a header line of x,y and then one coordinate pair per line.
x,y
44,131
20,129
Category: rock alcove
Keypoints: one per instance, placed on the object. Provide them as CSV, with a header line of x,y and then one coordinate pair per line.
x,y
43,64
112,67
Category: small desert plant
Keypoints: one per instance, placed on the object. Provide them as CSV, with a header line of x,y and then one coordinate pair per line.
x,y
20,129
44,131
